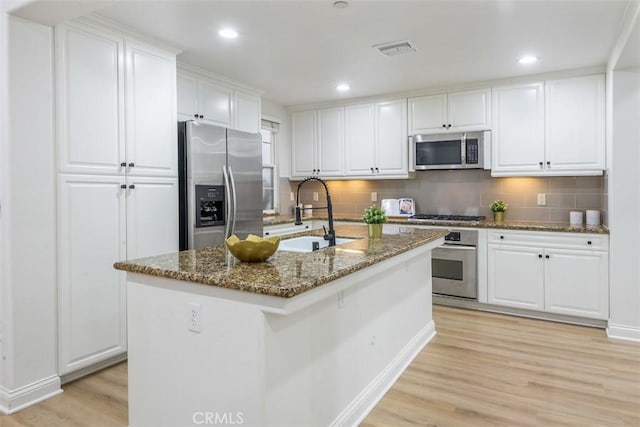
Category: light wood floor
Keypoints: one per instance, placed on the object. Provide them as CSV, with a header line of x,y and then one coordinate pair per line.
x,y
481,369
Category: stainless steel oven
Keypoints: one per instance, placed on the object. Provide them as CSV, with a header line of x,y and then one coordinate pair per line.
x,y
454,265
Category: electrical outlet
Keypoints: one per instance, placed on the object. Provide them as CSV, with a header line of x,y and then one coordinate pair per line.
x,y
374,196
291,197
194,317
542,199
315,196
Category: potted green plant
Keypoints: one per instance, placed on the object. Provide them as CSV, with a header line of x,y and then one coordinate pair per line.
x,y
374,217
498,207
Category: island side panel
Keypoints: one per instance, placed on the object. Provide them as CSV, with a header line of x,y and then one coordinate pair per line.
x,y
181,377
334,360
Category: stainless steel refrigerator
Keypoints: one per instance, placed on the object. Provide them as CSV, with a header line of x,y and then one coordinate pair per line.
x,y
220,178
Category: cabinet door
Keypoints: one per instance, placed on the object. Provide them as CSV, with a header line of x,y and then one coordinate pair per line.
x,y
360,139
518,129
90,95
515,277
428,114
392,146
469,111
303,136
214,104
574,124
92,294
246,111
331,142
151,111
152,216
187,94
576,283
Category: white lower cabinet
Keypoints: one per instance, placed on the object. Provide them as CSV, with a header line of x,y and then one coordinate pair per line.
x,y
574,283
284,229
92,294
515,277
552,272
101,220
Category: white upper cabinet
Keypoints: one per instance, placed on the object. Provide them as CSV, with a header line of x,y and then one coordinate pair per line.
x,y
103,126
371,138
428,114
209,100
303,136
246,108
518,128
214,104
574,124
359,137
90,95
187,94
453,112
318,143
330,142
551,128
150,111
391,142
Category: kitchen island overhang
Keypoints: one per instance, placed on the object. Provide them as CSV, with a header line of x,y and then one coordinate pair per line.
x,y
324,356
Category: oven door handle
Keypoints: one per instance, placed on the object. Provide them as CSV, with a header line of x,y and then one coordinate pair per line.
x,y
458,247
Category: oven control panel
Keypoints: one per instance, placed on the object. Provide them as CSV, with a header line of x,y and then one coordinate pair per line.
x,y
454,236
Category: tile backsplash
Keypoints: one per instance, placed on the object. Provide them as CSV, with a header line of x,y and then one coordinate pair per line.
x,y
466,192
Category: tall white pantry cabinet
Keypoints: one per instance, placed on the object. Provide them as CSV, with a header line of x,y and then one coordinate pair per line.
x,y
117,180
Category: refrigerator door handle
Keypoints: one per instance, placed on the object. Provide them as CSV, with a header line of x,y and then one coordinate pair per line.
x,y
235,205
227,203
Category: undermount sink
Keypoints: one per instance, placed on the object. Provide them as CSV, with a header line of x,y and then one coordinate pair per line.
x,y
306,243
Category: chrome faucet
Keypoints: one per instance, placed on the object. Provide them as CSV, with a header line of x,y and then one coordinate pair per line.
x,y
328,235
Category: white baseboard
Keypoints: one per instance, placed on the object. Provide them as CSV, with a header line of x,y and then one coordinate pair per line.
x,y
622,332
360,407
12,401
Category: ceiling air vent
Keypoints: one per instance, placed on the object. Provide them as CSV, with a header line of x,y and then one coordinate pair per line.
x,y
396,48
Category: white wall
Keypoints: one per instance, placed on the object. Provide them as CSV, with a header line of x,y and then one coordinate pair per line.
x,y
624,186
4,181
29,284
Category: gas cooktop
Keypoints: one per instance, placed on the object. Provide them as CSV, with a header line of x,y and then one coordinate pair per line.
x,y
445,218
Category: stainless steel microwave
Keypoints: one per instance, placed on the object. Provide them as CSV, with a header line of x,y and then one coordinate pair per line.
x,y
448,151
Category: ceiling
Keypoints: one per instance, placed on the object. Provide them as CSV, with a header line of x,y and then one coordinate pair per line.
x,y
298,51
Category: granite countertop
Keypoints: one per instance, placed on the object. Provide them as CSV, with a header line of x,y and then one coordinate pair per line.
x,y
507,225
284,274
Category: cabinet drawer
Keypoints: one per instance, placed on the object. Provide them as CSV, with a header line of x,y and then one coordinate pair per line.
x,y
550,239
281,230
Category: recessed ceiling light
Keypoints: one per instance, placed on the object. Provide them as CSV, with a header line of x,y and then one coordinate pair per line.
x,y
228,33
340,4
342,87
528,59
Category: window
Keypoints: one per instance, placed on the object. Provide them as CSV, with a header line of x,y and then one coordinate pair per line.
x,y
269,175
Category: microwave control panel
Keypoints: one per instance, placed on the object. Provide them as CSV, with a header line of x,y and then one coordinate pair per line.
x,y
472,152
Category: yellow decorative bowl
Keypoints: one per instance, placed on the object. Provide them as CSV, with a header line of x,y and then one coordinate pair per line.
x,y
254,248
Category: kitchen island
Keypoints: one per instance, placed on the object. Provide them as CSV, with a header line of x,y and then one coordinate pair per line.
x,y
302,339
